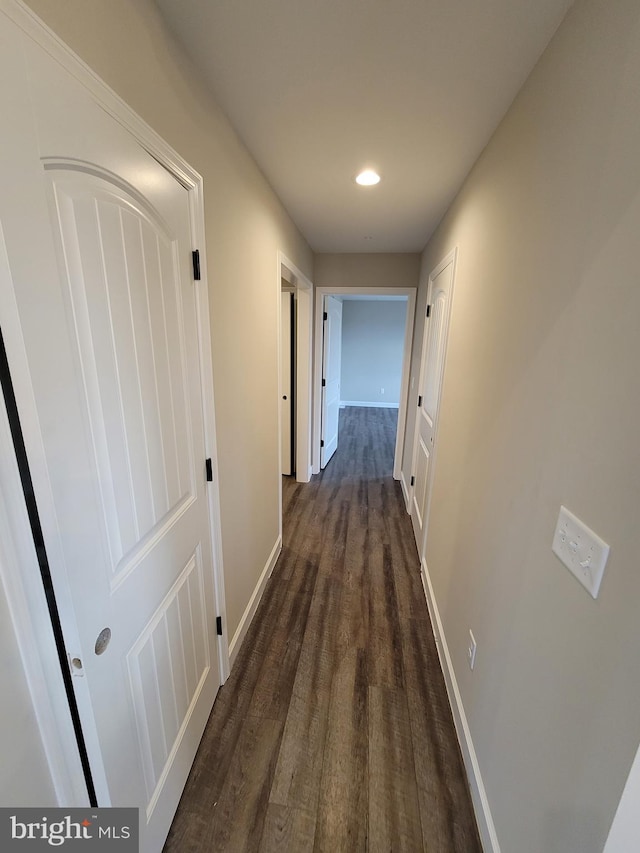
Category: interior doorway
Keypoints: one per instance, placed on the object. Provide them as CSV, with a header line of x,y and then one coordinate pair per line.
x,y
347,293
288,379
296,348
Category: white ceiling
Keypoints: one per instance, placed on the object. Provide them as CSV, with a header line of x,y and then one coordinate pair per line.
x,y
319,89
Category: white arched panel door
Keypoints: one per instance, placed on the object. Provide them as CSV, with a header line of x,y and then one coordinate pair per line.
x,y
440,292
98,238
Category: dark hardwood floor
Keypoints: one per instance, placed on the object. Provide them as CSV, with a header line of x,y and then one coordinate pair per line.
x,y
334,731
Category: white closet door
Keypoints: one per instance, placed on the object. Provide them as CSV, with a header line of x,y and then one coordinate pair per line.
x,y
98,237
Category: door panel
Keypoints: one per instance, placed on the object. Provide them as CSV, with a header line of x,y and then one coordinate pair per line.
x,y
419,500
331,366
141,438
431,376
435,351
166,666
107,313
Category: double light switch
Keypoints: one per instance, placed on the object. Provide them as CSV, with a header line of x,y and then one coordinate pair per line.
x,y
581,550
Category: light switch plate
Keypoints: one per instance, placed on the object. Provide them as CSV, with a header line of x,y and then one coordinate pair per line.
x,y
471,650
582,551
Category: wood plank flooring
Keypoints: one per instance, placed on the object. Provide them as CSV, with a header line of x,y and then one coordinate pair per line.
x,y
334,731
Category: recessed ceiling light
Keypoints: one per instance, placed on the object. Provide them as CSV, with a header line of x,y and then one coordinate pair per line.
x,y
368,178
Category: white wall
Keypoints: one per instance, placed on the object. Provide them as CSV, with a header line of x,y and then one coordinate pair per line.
x,y
540,407
129,46
372,350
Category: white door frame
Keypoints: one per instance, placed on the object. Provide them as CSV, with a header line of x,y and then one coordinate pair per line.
x,y
25,590
321,292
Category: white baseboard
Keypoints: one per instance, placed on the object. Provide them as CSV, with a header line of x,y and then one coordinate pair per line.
x,y
344,403
405,490
484,819
254,601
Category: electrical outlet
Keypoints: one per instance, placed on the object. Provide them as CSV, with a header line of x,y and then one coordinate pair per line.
x,y
471,650
382,390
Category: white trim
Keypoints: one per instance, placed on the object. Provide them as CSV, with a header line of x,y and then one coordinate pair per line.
x,y
410,294
196,197
254,601
144,134
486,827
405,491
356,403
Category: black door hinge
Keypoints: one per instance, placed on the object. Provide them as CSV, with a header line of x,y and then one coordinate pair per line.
x,y
325,316
195,257
219,625
209,468
413,481
428,310
419,401
324,382
321,442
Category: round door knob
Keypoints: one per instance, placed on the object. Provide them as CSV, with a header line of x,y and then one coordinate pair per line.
x,y
103,641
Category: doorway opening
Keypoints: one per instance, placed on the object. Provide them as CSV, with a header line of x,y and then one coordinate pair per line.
x,y
360,375
288,379
294,307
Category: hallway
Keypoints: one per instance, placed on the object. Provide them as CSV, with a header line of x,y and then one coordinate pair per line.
x,y
334,732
